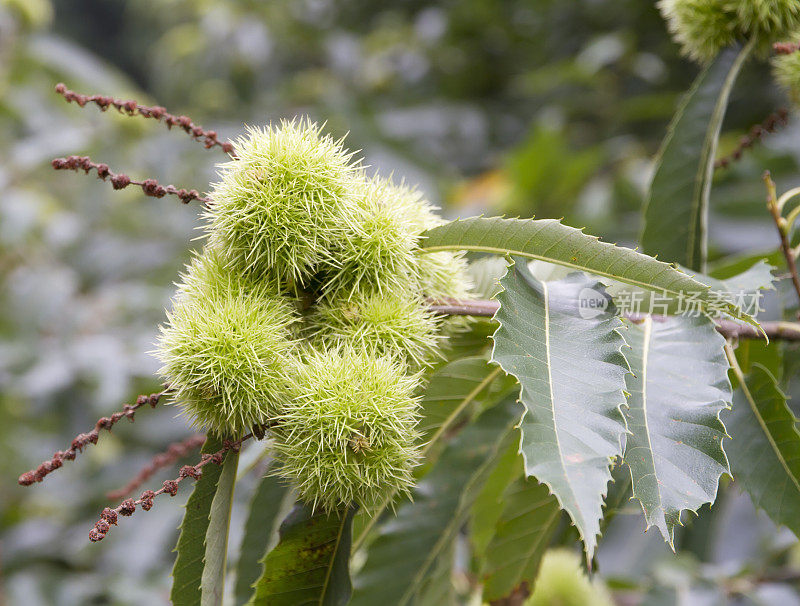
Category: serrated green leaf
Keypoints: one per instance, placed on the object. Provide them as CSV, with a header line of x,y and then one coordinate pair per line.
x,y
765,446
409,545
529,516
212,583
756,277
676,210
551,241
572,374
188,569
310,564
271,502
678,388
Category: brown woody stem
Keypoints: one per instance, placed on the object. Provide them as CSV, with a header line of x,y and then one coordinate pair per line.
x,y
789,331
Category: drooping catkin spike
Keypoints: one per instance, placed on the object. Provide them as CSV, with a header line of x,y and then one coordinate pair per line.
x,y
150,187
174,452
771,124
109,517
84,439
208,138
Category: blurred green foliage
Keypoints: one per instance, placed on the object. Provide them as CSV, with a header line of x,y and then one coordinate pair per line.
x,y
516,106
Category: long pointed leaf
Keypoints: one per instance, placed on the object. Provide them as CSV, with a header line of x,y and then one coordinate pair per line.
x,y
572,374
678,388
549,240
529,516
188,569
676,211
310,564
212,585
409,545
269,505
765,446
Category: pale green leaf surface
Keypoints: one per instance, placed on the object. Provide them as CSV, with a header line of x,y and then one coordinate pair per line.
x,y
676,211
765,447
409,545
311,562
212,583
188,569
572,374
550,240
678,388
270,503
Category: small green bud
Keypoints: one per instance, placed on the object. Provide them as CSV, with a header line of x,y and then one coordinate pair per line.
x,y
285,202
228,357
561,580
348,434
393,325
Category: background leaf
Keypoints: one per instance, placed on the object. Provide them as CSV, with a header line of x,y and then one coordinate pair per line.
x,y
188,569
310,564
550,240
678,387
765,447
470,384
270,503
529,516
212,585
676,211
573,378
401,560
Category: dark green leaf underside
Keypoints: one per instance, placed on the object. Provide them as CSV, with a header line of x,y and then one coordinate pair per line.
x,y
310,564
677,204
765,447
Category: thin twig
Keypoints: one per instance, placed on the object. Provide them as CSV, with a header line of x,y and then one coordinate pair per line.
x,y
789,331
110,516
783,230
769,125
84,439
150,187
174,452
132,108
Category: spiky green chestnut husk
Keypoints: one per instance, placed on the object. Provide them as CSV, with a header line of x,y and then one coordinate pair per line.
x,y
702,27
444,275
786,71
228,358
208,275
285,202
400,326
348,435
380,257
768,20
562,581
